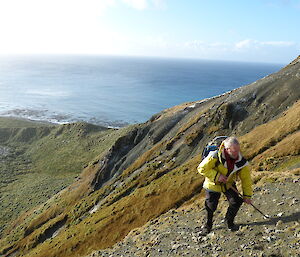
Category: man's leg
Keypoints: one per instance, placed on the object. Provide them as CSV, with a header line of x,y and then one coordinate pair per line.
x,y
211,203
235,203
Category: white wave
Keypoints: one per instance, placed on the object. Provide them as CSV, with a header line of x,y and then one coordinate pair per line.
x,y
48,92
37,115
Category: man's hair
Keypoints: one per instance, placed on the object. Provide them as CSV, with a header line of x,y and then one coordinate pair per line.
x,y
229,141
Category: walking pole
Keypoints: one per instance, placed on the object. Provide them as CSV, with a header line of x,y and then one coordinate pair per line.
x,y
265,216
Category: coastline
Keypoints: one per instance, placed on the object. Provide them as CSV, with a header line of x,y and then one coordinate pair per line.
x,y
144,87
8,121
23,122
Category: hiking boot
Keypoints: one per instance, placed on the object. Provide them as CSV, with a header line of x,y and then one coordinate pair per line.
x,y
205,230
233,227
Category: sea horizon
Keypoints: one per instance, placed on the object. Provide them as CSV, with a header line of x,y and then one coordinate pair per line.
x,y
113,90
99,55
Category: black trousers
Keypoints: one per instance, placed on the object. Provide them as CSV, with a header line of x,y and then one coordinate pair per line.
x,y
212,200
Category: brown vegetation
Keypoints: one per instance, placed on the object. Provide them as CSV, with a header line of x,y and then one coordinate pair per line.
x,y
154,181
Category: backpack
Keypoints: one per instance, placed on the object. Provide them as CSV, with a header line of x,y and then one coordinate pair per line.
x,y
213,145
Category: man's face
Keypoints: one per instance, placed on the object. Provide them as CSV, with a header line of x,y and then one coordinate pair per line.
x,y
233,151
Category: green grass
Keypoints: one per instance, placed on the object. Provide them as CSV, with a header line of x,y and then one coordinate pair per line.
x,y
44,159
157,186
116,218
291,163
7,122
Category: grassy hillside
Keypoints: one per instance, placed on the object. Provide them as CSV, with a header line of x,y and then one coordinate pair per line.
x,y
38,160
149,168
130,207
278,161
176,232
8,122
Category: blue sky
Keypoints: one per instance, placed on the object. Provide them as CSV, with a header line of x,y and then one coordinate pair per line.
x,y
248,30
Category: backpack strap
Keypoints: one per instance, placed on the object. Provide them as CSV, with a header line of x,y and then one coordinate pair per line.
x,y
215,155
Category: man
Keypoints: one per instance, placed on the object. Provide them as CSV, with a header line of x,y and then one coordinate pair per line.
x,y
221,168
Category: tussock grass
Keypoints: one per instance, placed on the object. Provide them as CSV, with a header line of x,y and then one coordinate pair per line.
x,y
267,135
54,156
156,188
113,222
8,122
144,158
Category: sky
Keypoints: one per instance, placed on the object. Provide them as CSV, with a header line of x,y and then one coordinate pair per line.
x,y
247,30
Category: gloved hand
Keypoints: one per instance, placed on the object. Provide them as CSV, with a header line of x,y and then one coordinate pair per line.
x,y
222,179
247,201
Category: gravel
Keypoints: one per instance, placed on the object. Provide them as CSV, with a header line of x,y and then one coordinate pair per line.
x,y
176,232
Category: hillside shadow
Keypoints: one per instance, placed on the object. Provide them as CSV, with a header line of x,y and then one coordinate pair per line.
x,y
272,221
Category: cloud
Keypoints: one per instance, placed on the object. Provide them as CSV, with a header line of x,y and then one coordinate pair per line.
x,y
137,4
157,41
69,26
201,45
255,44
247,43
279,43
195,44
159,4
246,50
145,4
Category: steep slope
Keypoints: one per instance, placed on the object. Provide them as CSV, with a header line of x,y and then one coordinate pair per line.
x,y
147,171
52,155
176,233
276,173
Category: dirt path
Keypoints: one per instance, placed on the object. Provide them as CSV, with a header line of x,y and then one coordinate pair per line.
x,y
176,233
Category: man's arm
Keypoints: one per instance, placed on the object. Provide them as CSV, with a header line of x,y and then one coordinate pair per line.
x,y
246,184
207,169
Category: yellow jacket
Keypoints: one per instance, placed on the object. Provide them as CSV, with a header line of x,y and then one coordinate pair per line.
x,y
215,164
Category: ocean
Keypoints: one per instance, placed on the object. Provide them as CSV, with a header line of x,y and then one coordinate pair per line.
x,y
113,91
